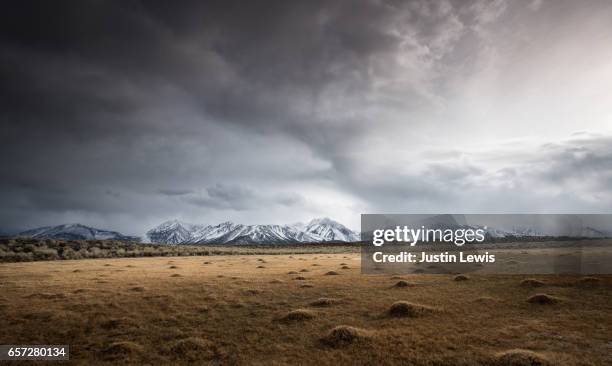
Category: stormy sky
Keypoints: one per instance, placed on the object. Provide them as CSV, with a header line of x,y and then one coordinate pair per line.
x,y
123,114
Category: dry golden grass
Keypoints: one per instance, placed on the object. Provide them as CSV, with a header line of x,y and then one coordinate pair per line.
x,y
229,312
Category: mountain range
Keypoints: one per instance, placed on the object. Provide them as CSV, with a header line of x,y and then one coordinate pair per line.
x,y
75,232
178,232
322,230
315,231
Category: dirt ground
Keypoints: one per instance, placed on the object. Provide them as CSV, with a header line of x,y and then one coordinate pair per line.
x,y
300,310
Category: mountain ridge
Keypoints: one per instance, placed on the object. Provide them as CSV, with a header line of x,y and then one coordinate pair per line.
x,y
316,231
75,232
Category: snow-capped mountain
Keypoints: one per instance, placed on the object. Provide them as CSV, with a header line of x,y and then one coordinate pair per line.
x,y
172,232
329,230
317,230
75,232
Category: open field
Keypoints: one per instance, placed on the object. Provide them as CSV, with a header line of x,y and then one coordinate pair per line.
x,y
284,310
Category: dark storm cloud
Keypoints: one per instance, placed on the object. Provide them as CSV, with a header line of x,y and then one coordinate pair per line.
x,y
235,197
198,107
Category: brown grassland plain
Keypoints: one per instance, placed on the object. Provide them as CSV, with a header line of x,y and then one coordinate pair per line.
x,y
288,310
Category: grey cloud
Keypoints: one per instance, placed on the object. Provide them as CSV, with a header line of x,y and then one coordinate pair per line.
x,y
108,107
240,198
175,192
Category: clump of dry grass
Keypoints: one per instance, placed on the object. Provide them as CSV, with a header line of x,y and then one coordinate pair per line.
x,y
261,266
304,270
122,351
461,278
332,273
403,283
345,267
408,309
292,272
543,299
194,349
176,275
300,278
520,357
532,282
77,271
315,265
276,280
298,315
344,335
137,289
207,262
589,281
324,302
173,267
306,285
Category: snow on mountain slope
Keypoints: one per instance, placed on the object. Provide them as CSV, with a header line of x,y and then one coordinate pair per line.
x,y
330,230
75,232
318,230
172,232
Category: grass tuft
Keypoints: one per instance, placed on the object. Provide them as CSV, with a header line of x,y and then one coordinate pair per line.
x,y
532,282
194,349
121,351
324,302
298,315
520,357
344,335
543,299
403,283
408,309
